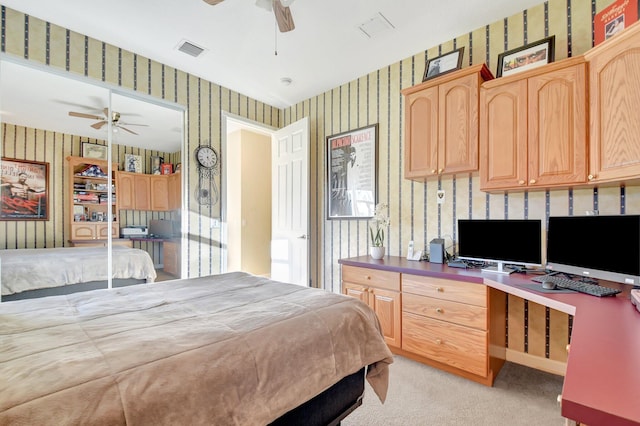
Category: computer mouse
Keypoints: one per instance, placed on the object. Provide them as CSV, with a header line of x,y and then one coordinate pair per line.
x,y
548,285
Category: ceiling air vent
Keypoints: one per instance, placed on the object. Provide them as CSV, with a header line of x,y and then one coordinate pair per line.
x,y
190,48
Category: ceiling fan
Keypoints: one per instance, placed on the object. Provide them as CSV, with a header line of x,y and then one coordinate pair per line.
x,y
115,120
280,10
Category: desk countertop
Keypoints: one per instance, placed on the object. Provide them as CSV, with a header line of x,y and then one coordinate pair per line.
x,y
602,381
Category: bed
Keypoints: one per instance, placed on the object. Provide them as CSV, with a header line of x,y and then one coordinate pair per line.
x,y
231,349
27,273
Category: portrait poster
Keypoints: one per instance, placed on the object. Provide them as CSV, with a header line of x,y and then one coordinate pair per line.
x,y
24,191
352,159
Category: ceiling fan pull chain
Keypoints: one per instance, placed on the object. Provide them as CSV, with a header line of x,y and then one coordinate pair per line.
x,y
275,36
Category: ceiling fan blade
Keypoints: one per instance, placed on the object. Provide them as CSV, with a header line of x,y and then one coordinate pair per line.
x,y
283,17
132,124
99,124
83,115
127,130
213,2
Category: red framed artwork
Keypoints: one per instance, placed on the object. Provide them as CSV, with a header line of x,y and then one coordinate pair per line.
x,y
613,19
24,190
166,168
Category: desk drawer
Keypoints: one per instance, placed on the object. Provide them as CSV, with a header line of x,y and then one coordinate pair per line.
x,y
445,310
371,277
456,291
455,345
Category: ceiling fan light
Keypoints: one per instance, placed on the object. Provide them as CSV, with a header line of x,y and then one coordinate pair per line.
x,y
265,4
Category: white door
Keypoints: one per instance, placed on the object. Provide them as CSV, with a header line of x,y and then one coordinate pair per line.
x,y
290,204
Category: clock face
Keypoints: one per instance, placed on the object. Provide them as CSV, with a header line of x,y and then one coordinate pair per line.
x,y
207,157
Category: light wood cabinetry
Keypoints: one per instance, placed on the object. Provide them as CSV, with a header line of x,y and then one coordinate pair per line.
x,y
441,124
446,321
533,128
149,192
88,187
381,291
171,250
614,100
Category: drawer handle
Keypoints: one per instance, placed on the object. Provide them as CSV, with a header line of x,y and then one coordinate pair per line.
x,y
439,289
438,341
439,310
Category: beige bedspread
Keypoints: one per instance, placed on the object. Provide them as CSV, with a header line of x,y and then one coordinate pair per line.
x,y
30,269
229,349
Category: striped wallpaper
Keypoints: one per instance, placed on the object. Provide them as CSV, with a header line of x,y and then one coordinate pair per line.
x,y
372,98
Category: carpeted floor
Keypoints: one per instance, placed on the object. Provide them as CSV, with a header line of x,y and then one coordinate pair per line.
x,y
421,395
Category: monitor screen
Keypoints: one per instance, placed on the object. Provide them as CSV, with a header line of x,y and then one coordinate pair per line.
x,y
501,241
604,247
161,228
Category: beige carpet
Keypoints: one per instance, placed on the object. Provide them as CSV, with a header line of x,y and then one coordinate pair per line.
x,y
421,395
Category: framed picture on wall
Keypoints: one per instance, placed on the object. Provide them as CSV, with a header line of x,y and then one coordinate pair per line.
x,y
24,190
443,64
93,150
352,164
133,163
527,57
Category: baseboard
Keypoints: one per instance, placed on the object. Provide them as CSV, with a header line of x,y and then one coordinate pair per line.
x,y
539,363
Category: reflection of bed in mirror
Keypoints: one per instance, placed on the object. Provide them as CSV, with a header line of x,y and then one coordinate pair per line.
x,y
227,349
29,273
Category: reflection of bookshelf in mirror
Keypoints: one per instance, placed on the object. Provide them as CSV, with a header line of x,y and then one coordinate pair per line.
x,y
89,187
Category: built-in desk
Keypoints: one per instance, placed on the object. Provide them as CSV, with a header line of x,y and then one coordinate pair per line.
x,y
169,253
602,379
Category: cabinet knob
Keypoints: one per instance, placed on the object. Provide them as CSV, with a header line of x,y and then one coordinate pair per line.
x,y
568,348
532,181
521,182
433,172
367,277
591,177
438,341
439,310
439,289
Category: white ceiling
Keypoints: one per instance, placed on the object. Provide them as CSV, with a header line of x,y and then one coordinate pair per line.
x,y
325,50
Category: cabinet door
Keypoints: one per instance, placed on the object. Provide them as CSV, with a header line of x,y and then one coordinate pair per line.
x,y
614,94
83,231
142,193
386,304
175,192
421,130
171,251
126,200
102,230
458,125
558,127
503,136
159,193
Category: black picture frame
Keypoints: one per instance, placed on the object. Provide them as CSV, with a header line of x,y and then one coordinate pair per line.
x,y
24,190
529,56
443,64
352,173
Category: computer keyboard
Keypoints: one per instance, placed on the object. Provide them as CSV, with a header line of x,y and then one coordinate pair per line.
x,y
579,286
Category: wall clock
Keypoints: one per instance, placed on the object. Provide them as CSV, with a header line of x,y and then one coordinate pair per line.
x,y
207,160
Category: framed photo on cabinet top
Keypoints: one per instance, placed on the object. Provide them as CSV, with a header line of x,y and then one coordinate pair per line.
x,y
352,164
93,150
24,190
443,64
529,56
133,163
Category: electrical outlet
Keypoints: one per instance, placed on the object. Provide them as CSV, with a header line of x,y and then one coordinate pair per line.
x,y
440,196
215,223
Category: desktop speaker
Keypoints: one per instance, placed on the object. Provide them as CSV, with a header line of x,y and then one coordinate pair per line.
x,y
436,251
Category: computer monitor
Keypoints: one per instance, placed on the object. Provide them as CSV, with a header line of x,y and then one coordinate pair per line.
x,y
160,228
501,241
601,247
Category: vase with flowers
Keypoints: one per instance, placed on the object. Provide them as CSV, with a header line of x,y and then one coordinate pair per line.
x,y
376,230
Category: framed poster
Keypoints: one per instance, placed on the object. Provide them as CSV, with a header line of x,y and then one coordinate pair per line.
x,y
24,190
443,64
133,163
532,55
352,164
93,150
613,19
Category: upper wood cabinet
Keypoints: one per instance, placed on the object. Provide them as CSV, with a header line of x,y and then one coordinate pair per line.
x,y
149,192
533,128
441,124
614,100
